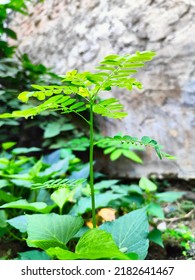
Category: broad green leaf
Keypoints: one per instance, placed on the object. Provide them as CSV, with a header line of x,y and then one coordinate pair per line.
x,y
5,196
155,210
131,155
8,145
156,236
105,184
135,189
19,222
147,185
3,219
52,129
18,151
61,196
83,173
130,232
102,200
25,205
3,183
169,196
51,230
59,167
33,255
94,244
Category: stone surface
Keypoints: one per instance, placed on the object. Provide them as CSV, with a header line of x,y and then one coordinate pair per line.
x,y
72,34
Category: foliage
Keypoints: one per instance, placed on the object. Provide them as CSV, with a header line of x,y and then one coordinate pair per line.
x,y
78,93
17,73
182,235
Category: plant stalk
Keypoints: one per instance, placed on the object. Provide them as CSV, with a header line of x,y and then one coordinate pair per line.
x,y
91,171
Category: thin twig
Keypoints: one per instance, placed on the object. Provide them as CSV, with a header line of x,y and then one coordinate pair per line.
x,y
187,216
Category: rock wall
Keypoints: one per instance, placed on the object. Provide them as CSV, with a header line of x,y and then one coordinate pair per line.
x,y
69,34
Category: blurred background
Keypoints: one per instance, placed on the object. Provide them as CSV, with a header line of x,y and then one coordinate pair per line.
x,y
70,34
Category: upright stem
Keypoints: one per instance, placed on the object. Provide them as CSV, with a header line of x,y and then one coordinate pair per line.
x,y
91,174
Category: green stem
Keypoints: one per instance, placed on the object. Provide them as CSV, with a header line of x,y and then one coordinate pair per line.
x,y
91,174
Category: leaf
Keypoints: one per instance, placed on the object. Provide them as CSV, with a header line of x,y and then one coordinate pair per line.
x,y
105,184
19,222
156,236
8,145
146,139
33,255
116,154
3,219
135,189
147,185
94,78
18,151
94,244
6,196
169,196
59,167
131,155
156,210
130,232
61,196
102,200
3,183
83,92
112,57
51,230
52,129
110,108
83,173
25,205
59,183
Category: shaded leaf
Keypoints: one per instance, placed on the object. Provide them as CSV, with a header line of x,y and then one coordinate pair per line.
x,y
130,231
94,244
156,236
19,222
102,200
155,210
169,196
51,230
147,185
25,205
33,255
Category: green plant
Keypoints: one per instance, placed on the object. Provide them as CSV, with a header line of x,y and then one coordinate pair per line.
x,y
81,92
183,237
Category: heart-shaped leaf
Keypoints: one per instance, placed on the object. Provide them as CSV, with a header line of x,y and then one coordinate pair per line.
x,y
51,230
94,244
130,232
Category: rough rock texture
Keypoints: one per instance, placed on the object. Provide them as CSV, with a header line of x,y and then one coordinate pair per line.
x,y
68,34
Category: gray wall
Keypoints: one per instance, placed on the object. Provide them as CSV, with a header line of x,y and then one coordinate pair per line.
x,y
73,34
